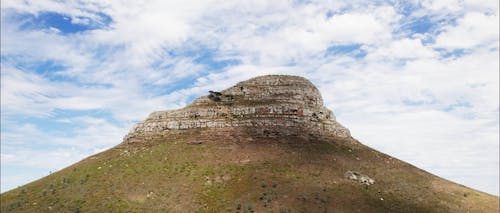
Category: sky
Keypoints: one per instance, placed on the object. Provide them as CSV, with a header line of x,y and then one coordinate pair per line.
x,y
416,79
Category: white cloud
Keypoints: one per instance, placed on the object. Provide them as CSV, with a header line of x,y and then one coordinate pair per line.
x,y
52,160
367,28
471,31
21,88
440,5
304,31
487,6
402,49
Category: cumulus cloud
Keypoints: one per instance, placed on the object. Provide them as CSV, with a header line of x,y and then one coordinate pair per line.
x,y
402,49
472,30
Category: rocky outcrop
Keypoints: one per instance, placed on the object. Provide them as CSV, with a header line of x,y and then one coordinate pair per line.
x,y
358,177
266,105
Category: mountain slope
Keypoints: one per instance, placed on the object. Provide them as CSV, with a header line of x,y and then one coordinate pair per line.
x,y
266,144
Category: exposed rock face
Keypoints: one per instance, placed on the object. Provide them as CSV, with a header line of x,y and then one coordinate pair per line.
x,y
276,104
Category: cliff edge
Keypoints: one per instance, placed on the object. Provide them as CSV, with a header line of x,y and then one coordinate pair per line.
x,y
271,105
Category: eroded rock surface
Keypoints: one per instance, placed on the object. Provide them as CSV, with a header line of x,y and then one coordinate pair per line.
x,y
276,104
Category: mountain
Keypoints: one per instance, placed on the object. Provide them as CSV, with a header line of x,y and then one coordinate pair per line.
x,y
267,144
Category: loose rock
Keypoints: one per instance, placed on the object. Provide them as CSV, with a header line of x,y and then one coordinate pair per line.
x,y
358,177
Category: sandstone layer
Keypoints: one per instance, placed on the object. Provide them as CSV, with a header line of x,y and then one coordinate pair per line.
x,y
272,105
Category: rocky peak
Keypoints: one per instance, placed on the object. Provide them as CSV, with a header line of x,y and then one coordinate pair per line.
x,y
268,105
269,89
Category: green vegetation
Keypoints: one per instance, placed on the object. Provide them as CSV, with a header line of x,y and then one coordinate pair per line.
x,y
227,174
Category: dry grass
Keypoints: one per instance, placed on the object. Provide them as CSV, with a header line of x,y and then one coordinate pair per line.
x,y
235,172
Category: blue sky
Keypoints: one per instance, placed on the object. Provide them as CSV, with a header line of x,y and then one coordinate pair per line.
x,y
414,79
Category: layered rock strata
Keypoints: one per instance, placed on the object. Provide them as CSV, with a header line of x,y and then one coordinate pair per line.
x,y
266,106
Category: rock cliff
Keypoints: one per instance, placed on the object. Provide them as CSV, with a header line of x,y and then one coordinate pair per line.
x,y
276,104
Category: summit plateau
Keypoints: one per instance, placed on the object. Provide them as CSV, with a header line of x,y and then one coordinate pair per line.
x,y
265,106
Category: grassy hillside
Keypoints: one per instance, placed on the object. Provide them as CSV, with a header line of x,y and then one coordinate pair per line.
x,y
239,173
